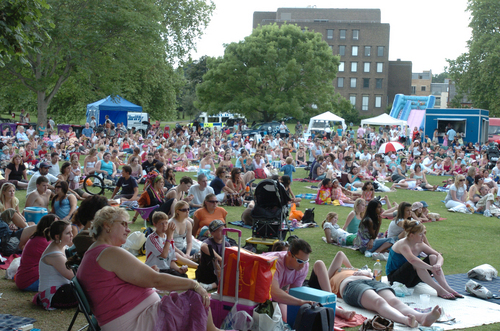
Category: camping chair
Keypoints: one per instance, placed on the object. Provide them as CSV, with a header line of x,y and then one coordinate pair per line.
x,y
145,212
83,307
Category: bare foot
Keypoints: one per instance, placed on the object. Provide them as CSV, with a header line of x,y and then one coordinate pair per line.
x,y
345,314
432,316
412,322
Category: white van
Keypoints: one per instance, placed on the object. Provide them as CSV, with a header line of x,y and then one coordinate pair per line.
x,y
135,120
216,121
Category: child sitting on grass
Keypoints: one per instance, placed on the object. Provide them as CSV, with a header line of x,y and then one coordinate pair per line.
x,y
334,233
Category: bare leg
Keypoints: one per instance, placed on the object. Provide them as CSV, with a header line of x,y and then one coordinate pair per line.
x,y
424,319
22,184
425,277
248,176
324,275
439,276
19,220
383,247
372,301
210,322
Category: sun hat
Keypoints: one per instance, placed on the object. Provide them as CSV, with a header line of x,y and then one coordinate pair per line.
x,y
424,204
416,205
215,224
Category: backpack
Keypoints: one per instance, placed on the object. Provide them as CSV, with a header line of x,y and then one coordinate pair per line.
x,y
314,317
308,216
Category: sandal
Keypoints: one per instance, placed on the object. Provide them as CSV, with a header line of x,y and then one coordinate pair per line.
x,y
457,295
447,296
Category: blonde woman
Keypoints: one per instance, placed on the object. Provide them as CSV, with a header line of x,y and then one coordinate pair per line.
x,y
89,162
9,206
457,195
182,236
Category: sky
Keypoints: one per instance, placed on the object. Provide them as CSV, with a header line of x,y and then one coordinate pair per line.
x,y
426,33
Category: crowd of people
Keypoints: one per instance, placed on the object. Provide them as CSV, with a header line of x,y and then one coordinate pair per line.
x,y
188,216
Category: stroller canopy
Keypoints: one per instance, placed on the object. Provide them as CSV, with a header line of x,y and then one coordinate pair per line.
x,y
270,193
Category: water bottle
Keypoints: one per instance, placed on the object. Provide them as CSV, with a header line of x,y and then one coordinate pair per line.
x,y
377,271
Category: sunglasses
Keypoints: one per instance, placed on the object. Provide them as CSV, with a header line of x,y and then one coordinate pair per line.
x,y
299,261
213,201
462,180
184,210
57,186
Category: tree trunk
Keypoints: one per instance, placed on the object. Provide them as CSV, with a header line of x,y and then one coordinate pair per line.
x,y
42,108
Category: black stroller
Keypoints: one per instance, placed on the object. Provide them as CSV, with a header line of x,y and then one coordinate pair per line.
x,y
493,154
270,214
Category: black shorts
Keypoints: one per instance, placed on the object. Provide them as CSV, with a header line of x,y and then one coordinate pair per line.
x,y
406,274
313,281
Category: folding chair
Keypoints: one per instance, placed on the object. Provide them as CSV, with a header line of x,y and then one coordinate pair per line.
x,y
83,307
144,212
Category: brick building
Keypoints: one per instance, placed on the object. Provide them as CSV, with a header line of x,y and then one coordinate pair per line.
x,y
362,42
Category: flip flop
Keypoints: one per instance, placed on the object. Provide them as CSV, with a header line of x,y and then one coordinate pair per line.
x,y
448,296
457,295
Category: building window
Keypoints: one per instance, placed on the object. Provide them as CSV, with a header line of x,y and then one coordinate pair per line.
x,y
378,101
366,67
352,99
354,50
368,50
355,34
438,102
378,83
342,34
380,66
342,50
365,101
340,81
329,34
354,66
331,47
341,66
413,89
353,82
422,88
380,50
366,82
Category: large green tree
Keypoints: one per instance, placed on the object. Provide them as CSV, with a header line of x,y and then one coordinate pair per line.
x,y
477,72
192,72
275,72
101,47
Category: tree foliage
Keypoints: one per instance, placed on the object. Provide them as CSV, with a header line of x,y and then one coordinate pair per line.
x,y
102,47
275,72
20,31
477,72
192,72
439,78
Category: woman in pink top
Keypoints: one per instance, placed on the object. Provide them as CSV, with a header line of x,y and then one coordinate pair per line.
x,y
119,286
27,275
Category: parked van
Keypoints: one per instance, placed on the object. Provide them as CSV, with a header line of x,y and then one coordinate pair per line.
x,y
135,120
494,129
216,120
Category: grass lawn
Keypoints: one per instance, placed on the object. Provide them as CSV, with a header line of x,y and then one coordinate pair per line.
x,y
465,240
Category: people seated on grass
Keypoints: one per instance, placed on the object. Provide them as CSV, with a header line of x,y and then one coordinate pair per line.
x,y
211,256
27,275
318,172
41,196
63,204
108,270
406,267
457,195
15,172
355,216
486,203
259,165
126,188
237,184
367,238
159,250
9,207
183,234
136,167
358,289
324,195
106,168
287,183
199,191
300,157
154,196
333,232
419,174
90,161
226,162
54,290
341,194
488,181
218,184
64,175
207,165
207,213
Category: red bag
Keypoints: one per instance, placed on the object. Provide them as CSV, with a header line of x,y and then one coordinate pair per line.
x,y
260,174
256,275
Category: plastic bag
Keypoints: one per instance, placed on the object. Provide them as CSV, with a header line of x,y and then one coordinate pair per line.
x,y
401,290
14,265
295,214
262,321
134,242
483,272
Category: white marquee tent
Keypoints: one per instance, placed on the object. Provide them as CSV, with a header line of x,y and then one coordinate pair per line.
x,y
383,119
323,121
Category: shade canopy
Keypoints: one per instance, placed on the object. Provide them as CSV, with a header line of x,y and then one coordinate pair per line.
x,y
115,107
322,121
383,119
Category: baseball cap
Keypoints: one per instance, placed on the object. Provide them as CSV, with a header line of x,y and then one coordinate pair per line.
x,y
5,148
416,205
424,204
44,165
215,224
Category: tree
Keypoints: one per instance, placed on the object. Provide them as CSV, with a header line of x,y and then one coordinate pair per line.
x,y
16,37
109,47
477,72
192,72
439,78
275,72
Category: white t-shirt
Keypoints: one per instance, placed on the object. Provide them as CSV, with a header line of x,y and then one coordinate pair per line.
x,y
32,183
154,247
199,195
394,230
336,232
459,193
54,169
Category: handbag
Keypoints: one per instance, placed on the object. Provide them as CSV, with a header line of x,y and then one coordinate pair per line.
x,y
377,323
267,317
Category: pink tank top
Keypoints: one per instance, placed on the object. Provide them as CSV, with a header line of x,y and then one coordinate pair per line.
x,y
109,296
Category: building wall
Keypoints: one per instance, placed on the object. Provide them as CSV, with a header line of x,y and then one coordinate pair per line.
x,y
348,29
421,83
399,79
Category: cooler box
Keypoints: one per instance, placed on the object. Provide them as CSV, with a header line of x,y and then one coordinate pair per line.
x,y
327,299
34,214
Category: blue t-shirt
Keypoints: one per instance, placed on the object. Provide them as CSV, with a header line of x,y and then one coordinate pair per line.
x,y
127,185
87,132
217,184
288,169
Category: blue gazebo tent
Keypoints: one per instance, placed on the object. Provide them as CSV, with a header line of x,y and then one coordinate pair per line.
x,y
115,107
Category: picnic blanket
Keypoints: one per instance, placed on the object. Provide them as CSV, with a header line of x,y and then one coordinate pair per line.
x,y
11,322
457,282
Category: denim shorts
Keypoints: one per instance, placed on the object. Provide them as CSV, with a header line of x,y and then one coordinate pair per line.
x,y
355,289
